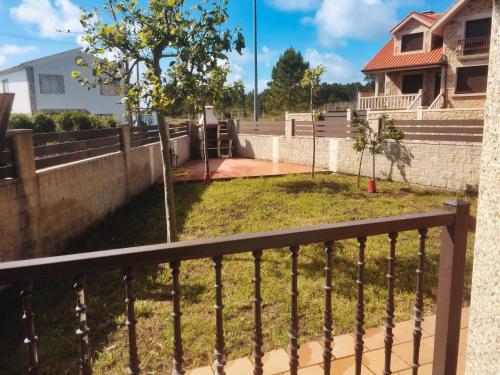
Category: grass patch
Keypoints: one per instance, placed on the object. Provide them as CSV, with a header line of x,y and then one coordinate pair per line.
x,y
222,208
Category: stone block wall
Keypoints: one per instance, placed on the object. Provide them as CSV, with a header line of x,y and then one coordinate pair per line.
x,y
448,165
39,214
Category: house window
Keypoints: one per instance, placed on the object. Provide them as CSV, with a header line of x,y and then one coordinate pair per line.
x,y
412,83
5,86
110,89
472,79
51,83
412,42
478,28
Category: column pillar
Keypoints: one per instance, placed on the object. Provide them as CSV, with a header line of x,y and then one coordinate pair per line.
x,y
484,323
24,156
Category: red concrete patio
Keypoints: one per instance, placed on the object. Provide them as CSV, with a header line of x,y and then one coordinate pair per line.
x,y
221,169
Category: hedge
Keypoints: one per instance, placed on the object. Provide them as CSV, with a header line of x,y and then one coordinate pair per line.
x,y
65,121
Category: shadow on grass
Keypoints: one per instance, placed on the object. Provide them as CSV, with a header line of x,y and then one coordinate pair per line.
x,y
140,222
310,186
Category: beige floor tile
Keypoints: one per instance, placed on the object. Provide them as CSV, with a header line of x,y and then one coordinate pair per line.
x,y
461,364
200,371
423,370
375,361
462,343
311,370
310,354
405,352
464,321
374,338
429,325
345,366
276,362
403,331
242,366
343,346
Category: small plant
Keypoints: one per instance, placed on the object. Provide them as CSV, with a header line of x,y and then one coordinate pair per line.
x,y
372,139
43,123
311,80
20,121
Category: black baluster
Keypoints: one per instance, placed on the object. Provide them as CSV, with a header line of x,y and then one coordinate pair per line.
x,y
389,311
133,356
419,301
360,307
176,315
257,303
327,328
294,319
30,339
219,335
82,332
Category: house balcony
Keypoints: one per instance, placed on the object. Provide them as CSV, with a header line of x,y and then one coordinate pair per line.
x,y
390,102
473,46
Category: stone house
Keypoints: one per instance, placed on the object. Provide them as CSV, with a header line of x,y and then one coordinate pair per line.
x,y
434,60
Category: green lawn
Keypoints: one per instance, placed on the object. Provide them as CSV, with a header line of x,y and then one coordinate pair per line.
x,y
221,208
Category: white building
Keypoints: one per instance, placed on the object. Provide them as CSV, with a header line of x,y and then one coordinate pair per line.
x,y
46,84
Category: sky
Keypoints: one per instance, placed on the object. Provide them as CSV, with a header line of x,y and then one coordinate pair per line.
x,y
342,35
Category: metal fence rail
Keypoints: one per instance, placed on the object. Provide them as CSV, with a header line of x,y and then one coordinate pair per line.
x,y
453,218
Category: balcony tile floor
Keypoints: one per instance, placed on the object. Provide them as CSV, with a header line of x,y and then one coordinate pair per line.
x,y
311,353
221,169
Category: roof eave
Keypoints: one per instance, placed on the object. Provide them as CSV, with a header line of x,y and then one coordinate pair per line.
x,y
405,20
446,15
401,68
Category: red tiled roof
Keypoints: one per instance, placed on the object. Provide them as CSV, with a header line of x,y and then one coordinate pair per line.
x,y
386,59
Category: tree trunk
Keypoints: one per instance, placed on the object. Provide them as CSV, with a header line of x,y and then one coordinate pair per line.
x,y
360,164
168,183
206,175
373,167
314,135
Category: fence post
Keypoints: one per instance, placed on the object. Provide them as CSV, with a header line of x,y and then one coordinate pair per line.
x,y
24,156
450,289
289,128
125,147
349,114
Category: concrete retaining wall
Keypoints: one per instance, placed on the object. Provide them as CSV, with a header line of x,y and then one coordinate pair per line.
x,y
41,210
450,165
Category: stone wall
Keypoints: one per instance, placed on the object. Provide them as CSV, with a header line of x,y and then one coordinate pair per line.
x,y
449,165
483,344
41,210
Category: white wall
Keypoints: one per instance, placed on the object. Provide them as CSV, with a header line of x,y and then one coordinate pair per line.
x,y
75,96
18,84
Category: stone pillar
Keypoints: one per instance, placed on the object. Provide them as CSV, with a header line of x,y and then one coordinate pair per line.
x,y
125,147
24,154
349,115
289,128
483,346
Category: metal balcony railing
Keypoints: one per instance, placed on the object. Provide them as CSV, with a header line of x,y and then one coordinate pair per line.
x,y
473,46
453,218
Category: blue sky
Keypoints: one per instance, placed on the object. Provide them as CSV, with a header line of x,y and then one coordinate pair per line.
x,y
340,34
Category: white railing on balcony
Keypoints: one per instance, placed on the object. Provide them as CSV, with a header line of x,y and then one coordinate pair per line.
x,y
438,103
406,101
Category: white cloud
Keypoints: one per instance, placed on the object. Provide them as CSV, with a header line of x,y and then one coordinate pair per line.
x,y
339,20
291,5
12,49
337,68
48,16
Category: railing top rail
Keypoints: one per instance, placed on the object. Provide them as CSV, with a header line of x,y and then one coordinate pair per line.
x,y
32,269
389,96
